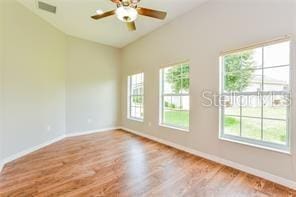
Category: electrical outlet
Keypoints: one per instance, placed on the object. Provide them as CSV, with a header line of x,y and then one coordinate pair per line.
x,y
89,120
149,124
48,128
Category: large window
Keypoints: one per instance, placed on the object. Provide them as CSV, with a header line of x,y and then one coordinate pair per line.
x,y
174,92
136,96
255,95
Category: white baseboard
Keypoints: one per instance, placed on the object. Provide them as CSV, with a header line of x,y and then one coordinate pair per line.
x,y
37,147
91,131
253,171
30,150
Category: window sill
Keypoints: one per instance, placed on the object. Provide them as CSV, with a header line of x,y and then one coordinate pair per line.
x,y
175,128
136,119
287,152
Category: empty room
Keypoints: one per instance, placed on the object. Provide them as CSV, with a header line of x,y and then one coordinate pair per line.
x,y
157,98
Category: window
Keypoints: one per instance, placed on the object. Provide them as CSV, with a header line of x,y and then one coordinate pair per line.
x,y
136,97
174,92
255,96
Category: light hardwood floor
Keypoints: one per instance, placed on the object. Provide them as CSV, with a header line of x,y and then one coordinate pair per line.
x,y
118,163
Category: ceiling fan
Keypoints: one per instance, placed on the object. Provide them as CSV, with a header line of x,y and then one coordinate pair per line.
x,y
127,11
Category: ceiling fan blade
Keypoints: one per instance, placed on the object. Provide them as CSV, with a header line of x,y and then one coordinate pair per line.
x,y
99,16
152,13
131,26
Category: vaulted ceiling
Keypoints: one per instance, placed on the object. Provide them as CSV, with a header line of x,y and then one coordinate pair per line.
x,y
73,18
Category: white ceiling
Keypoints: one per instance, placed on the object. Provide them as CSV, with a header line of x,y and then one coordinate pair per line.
x,y
73,18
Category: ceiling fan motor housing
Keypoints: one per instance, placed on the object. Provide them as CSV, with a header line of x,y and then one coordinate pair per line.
x,y
126,13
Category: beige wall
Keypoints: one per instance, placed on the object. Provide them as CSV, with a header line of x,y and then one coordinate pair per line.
x,y
43,70
92,86
1,72
33,80
199,37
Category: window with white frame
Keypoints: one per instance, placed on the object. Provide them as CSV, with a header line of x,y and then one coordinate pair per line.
x,y
255,95
174,96
136,96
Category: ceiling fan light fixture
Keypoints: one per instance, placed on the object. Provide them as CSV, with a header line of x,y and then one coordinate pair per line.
x,y
126,14
99,11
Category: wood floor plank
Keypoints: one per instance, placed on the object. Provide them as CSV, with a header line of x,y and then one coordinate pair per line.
x,y
118,163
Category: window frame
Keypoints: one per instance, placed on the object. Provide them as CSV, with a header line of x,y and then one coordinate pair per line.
x,y
283,148
130,95
162,95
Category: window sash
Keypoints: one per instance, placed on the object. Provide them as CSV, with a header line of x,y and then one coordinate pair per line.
x,y
163,95
265,144
131,95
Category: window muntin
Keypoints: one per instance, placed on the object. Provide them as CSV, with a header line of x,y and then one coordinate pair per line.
x,y
136,96
255,95
175,99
